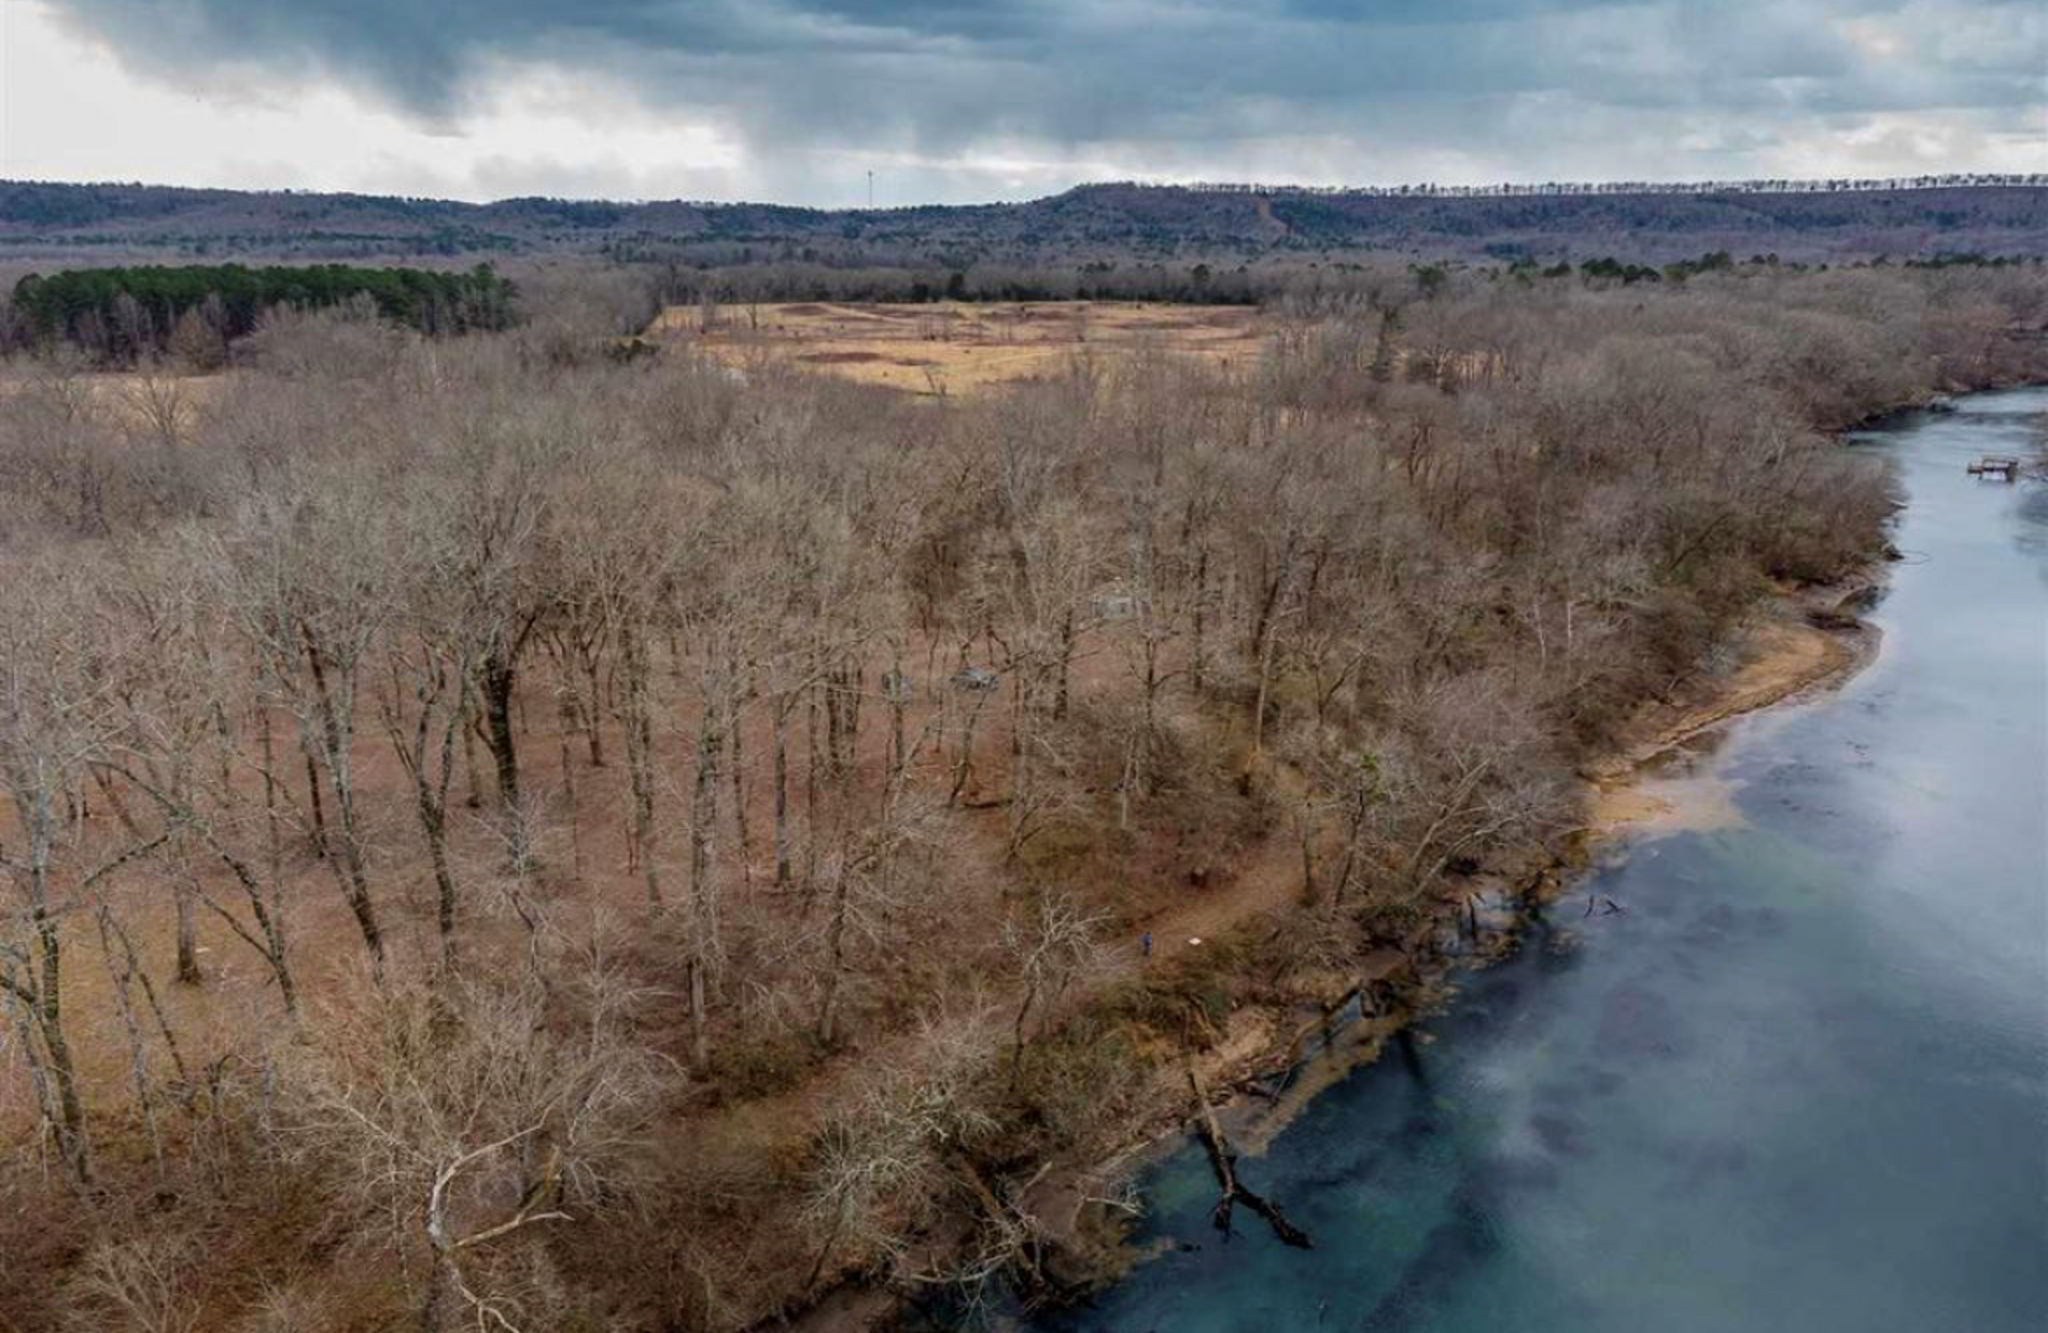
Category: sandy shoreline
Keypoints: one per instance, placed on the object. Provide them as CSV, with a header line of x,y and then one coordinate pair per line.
x,y
1806,644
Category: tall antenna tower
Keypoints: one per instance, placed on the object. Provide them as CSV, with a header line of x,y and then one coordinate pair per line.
x,y
871,187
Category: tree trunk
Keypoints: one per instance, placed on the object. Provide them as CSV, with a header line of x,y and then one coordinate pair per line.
x,y
356,881
1265,685
703,848
742,839
433,821
496,681
188,973
593,711
70,1127
639,758
446,1310
473,795
319,808
782,846
963,768
273,843
835,946
898,697
811,786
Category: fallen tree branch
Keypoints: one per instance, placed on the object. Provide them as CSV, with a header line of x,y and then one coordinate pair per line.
x,y
1233,1189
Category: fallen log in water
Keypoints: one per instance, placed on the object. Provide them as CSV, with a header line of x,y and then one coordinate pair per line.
x,y
1233,1188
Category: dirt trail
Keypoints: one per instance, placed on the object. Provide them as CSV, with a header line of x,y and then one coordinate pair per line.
x,y
1269,878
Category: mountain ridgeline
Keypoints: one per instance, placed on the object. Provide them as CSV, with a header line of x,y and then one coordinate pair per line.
x,y
1824,221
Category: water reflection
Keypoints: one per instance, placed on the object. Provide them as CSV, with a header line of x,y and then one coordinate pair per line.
x,y
1801,1082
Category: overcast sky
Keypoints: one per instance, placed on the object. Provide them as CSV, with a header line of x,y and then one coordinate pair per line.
x,y
953,100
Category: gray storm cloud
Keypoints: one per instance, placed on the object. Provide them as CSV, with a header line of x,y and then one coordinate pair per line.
x,y
943,76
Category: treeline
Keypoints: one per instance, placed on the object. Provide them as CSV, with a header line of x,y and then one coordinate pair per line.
x,y
1777,185
798,280
494,835
1267,283
121,314
1608,268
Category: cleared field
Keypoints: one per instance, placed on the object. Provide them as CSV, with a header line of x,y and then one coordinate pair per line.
x,y
960,348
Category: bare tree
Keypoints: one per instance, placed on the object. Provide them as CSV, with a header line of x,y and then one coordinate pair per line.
x,y
451,1112
1054,944
881,1160
303,575
57,716
431,655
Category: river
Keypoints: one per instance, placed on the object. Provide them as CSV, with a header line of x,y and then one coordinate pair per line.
x,y
1799,1083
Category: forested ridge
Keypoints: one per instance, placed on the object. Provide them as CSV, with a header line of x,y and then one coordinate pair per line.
x,y
497,835
1112,222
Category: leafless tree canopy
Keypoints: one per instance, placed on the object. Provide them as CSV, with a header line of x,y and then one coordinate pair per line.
x,y
500,835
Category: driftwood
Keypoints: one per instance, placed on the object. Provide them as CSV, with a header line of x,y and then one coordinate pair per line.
x,y
1234,1190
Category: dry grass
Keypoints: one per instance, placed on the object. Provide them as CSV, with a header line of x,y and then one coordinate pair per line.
x,y
956,348
143,402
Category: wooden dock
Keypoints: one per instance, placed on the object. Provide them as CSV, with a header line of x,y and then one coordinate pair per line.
x,y
2002,466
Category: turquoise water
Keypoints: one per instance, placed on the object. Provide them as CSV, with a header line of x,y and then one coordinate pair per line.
x,y
1799,1084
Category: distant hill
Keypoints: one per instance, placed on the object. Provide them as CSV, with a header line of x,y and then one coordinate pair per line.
x,y
1110,222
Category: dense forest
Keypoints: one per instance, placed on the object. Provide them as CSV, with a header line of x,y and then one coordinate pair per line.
x,y
1113,222
499,836
120,314
1270,283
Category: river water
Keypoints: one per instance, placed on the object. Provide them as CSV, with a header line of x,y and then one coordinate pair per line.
x,y
1799,1084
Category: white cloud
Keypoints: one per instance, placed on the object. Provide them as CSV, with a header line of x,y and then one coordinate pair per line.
x,y
71,110
479,99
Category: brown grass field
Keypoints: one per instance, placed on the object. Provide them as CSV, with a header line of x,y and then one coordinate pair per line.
x,y
954,348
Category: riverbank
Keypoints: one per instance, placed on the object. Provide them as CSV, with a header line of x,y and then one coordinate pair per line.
x,y
1731,1101
1268,1062
1801,642
1272,1064
1270,1059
